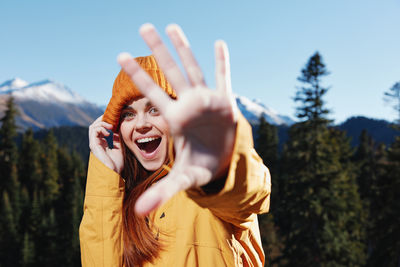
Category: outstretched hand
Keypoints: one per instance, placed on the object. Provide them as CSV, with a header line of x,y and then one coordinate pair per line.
x,y
202,121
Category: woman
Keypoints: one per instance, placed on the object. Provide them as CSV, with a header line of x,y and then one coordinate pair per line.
x,y
182,185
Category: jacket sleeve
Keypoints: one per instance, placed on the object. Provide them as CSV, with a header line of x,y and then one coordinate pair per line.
x,y
100,231
247,187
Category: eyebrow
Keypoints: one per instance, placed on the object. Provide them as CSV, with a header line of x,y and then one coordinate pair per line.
x,y
148,104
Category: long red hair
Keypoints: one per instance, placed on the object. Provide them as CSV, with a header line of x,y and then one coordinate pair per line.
x,y
140,243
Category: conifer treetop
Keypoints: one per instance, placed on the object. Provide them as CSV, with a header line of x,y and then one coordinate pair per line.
x,y
311,93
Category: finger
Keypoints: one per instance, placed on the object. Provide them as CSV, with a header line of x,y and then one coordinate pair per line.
x,y
222,67
101,132
145,84
98,119
164,58
99,122
116,145
103,144
116,137
223,75
102,124
98,147
97,137
96,131
97,134
161,192
189,62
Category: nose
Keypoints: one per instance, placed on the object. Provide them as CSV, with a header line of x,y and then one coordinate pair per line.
x,y
142,123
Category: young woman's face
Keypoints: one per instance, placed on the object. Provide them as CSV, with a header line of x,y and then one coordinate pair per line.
x,y
145,132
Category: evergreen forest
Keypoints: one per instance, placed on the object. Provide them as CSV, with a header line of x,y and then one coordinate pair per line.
x,y
332,204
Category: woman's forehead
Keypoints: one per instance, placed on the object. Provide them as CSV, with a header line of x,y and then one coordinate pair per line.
x,y
138,102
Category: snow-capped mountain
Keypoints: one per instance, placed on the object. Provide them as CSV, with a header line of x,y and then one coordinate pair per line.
x,y
253,109
48,91
11,85
47,104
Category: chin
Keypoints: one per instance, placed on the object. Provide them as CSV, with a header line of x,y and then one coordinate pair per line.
x,y
152,166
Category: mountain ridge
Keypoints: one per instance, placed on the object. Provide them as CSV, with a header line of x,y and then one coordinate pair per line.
x,y
47,103
69,119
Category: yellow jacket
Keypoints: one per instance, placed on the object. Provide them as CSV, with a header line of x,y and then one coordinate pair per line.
x,y
197,229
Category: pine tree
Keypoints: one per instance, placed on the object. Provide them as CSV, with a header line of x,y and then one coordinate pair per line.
x,y
41,175
365,162
386,211
267,144
29,163
311,93
69,206
9,252
49,254
28,251
37,229
323,220
393,95
9,185
77,204
26,209
50,175
267,147
9,155
367,172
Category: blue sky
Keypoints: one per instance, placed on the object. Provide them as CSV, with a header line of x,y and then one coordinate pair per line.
x,y
76,43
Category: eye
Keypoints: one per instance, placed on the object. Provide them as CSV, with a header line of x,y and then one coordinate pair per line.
x,y
153,111
127,115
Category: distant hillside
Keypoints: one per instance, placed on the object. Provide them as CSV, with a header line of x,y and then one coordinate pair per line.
x,y
47,104
380,130
74,138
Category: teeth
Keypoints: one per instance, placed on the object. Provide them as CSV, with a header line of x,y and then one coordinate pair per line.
x,y
147,139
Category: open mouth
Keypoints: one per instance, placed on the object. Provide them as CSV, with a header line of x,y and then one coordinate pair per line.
x,y
148,144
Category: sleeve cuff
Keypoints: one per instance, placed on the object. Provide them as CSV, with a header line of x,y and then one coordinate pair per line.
x,y
102,181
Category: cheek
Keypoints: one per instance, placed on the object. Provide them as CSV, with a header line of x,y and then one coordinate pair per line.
x,y
125,131
163,126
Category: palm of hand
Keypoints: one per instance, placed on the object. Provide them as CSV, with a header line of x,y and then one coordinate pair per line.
x,y
202,122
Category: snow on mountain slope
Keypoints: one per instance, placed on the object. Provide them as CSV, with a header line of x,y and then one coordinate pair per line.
x,y
42,91
252,110
11,85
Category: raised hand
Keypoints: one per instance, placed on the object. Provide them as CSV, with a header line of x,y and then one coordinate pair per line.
x,y
112,158
202,121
